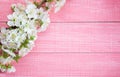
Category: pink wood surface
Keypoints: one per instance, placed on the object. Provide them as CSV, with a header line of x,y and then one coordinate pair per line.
x,y
75,47
67,65
76,10
80,37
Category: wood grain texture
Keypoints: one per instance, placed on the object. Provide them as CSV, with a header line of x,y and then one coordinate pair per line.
x,y
79,37
82,41
76,10
67,65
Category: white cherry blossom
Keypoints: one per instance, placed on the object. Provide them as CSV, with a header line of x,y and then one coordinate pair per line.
x,y
31,11
59,4
11,69
24,23
6,60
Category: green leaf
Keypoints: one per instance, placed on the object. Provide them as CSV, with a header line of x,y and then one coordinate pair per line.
x,y
39,22
46,7
0,46
49,0
25,43
17,58
5,55
3,66
37,4
13,50
9,66
32,37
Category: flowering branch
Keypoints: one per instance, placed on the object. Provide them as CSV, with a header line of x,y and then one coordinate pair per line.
x,y
24,23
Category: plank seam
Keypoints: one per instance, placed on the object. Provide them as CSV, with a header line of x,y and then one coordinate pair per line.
x,y
81,22
77,52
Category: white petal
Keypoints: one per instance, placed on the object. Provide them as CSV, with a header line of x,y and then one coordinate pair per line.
x,y
12,69
10,17
23,52
10,23
59,4
3,30
5,60
43,27
31,6
9,52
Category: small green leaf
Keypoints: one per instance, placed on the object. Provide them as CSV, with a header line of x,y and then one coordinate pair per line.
x,y
3,66
9,66
49,0
37,4
46,8
39,22
0,46
13,50
5,55
32,37
25,43
17,58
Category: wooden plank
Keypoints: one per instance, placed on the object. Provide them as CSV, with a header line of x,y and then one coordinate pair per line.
x,y
76,10
67,65
79,37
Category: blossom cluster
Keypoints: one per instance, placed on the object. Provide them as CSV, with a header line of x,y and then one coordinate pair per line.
x,y
24,23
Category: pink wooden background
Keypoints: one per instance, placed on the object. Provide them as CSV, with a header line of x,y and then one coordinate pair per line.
x,y
83,40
